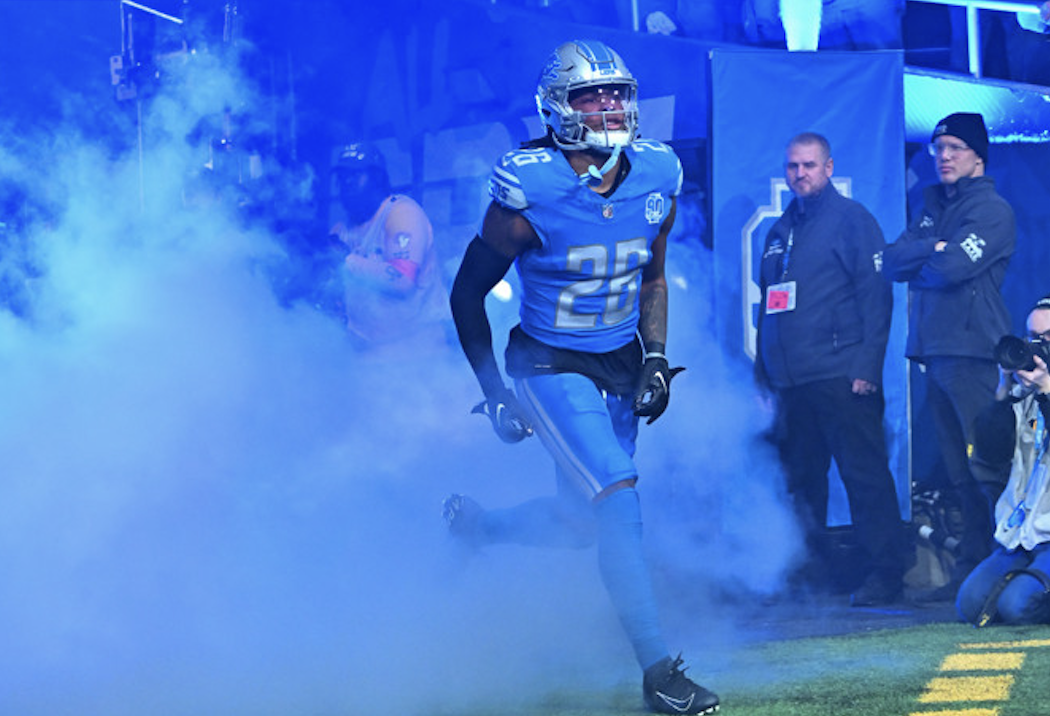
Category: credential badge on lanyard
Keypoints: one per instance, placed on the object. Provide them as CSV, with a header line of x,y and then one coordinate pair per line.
x,y
780,297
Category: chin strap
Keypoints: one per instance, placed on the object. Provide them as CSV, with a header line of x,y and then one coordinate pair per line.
x,y
593,175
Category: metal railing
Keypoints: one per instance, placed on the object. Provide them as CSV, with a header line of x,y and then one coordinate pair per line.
x,y
973,23
973,26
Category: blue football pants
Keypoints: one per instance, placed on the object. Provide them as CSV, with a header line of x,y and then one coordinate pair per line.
x,y
591,436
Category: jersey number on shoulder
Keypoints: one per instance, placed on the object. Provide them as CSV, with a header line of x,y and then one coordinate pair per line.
x,y
524,157
622,283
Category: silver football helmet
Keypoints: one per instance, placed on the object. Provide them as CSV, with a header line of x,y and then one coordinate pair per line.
x,y
579,65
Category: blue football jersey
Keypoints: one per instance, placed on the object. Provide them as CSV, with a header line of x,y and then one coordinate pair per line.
x,y
580,288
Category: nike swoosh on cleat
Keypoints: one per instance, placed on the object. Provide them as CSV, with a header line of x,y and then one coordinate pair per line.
x,y
681,705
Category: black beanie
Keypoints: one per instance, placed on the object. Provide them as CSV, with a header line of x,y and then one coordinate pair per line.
x,y
1043,302
967,126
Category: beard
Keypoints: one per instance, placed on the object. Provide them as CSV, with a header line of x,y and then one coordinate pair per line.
x,y
361,205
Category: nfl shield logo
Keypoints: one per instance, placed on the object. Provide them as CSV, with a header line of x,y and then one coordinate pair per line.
x,y
654,208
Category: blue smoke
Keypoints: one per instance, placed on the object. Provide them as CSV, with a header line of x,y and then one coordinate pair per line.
x,y
212,504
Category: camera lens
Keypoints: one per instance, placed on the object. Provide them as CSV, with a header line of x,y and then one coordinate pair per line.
x,y
1013,353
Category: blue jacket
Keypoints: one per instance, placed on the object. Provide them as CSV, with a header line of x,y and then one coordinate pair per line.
x,y
841,321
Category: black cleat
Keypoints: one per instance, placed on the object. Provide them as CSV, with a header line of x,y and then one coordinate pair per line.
x,y
667,690
463,517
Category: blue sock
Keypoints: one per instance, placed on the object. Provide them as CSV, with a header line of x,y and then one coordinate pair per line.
x,y
626,577
542,522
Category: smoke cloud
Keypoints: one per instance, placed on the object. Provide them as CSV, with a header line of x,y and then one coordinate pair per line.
x,y
212,504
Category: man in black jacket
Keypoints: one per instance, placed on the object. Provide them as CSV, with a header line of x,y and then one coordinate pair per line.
x,y
954,257
822,331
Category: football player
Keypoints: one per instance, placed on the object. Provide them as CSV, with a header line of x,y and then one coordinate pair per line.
x,y
584,213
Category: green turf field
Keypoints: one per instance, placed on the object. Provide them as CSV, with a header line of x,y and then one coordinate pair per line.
x,y
944,669
929,670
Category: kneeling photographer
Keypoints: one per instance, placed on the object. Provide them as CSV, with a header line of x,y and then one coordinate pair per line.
x,y
1012,585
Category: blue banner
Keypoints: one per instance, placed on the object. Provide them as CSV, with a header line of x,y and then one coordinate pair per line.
x,y
759,100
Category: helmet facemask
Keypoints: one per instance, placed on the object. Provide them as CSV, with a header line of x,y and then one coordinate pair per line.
x,y
614,120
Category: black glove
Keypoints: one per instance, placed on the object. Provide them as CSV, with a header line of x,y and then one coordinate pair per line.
x,y
654,387
508,418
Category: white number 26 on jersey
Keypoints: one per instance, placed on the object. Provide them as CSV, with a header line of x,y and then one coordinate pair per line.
x,y
619,285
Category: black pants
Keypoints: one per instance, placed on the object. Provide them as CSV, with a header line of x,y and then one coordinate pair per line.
x,y
957,390
825,419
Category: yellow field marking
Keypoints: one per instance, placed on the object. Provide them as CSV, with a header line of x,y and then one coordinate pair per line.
x,y
977,688
998,661
967,688
1026,644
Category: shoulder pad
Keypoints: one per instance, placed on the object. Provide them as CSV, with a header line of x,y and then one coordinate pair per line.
x,y
505,184
651,145
662,157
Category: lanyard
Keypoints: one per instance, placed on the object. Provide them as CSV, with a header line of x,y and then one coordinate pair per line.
x,y
1017,517
787,254
1040,436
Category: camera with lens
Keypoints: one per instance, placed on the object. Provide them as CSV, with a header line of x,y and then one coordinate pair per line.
x,y
1014,353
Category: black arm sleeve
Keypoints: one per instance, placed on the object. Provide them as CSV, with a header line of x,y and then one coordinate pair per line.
x,y
482,268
